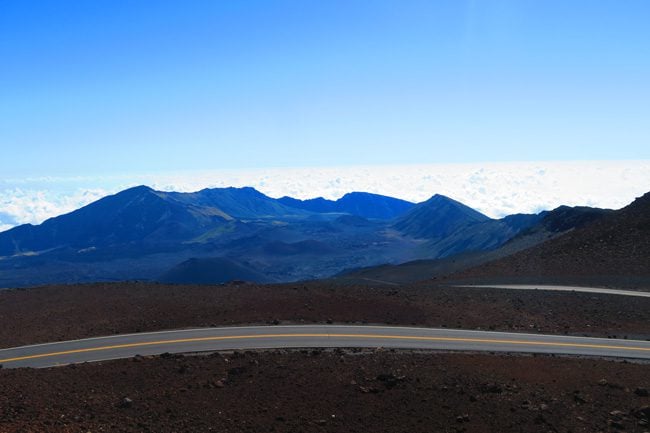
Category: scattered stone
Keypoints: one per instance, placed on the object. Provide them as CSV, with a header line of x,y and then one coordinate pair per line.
x,y
641,392
579,399
236,371
615,424
492,388
320,422
602,382
389,380
367,390
125,403
462,418
642,412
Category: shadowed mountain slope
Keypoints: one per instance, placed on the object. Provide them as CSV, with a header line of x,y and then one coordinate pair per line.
x,y
241,203
437,217
566,218
143,215
532,230
215,270
138,214
617,243
449,227
310,246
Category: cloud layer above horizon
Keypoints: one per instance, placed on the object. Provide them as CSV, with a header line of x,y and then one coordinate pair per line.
x,y
496,189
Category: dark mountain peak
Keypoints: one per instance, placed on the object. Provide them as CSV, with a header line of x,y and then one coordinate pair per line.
x,y
439,199
522,221
372,206
359,195
135,215
242,190
438,217
564,218
128,196
444,203
138,188
233,190
245,202
308,202
641,202
362,204
134,191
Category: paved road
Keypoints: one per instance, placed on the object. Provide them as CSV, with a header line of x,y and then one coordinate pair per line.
x,y
560,289
263,337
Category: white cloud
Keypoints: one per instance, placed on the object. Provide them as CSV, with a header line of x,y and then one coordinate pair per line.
x,y
34,206
496,189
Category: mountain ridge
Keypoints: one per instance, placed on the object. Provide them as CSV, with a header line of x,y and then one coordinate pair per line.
x,y
143,233
437,217
618,243
362,204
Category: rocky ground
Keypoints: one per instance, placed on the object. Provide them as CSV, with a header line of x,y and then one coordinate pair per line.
x,y
321,391
349,391
70,312
330,391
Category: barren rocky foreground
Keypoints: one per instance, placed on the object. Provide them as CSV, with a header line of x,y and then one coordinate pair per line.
x,y
329,391
70,312
321,391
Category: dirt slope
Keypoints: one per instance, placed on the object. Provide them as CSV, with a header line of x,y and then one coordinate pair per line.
x,y
332,391
69,312
615,245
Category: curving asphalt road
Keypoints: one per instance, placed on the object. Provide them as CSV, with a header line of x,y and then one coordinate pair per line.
x,y
559,289
266,337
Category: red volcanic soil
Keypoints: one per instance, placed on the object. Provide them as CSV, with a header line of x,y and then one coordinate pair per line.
x,y
330,391
69,312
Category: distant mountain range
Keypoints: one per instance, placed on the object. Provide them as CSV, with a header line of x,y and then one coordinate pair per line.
x,y
363,204
216,235
531,231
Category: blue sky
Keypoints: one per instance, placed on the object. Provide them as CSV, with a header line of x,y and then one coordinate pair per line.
x,y
130,87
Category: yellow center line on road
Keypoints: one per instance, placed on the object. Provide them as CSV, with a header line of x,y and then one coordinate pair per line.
x,y
367,336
